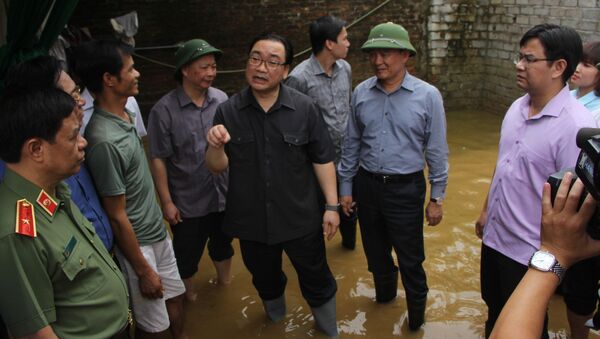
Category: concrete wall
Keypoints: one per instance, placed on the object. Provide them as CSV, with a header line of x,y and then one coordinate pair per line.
x,y
465,47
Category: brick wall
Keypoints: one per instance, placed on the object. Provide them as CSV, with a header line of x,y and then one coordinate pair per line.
x,y
464,46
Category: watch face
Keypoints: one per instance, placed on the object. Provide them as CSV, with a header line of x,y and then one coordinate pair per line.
x,y
543,261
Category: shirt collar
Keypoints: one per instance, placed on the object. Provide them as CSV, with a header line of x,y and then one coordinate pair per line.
x,y
127,126
28,190
317,69
185,99
284,99
553,108
408,83
586,99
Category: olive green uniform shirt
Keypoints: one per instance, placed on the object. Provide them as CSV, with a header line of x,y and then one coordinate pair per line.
x,y
117,161
64,277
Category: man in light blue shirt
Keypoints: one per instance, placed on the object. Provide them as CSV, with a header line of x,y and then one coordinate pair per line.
x,y
397,126
327,78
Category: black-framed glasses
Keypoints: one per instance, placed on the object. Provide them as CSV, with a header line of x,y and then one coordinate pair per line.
x,y
529,59
256,61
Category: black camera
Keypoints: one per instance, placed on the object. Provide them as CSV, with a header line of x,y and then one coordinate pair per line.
x,y
588,170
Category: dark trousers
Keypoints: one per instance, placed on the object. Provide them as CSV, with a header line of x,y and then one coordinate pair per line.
x,y
191,235
307,255
500,275
391,216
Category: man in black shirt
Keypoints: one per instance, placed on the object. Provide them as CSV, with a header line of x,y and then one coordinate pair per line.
x,y
276,145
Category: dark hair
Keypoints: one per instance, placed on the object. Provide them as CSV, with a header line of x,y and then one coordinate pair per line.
x,y
92,59
39,72
559,42
287,45
591,55
323,29
30,113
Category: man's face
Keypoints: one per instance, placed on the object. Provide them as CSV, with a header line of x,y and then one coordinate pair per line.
x,y
126,84
388,64
534,76
266,76
201,72
339,48
68,85
65,155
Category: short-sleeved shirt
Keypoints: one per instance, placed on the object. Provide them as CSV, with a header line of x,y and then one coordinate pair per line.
x,y
64,277
331,93
177,130
272,194
531,149
116,159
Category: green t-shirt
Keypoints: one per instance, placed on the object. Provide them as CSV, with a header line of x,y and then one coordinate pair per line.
x,y
116,159
64,277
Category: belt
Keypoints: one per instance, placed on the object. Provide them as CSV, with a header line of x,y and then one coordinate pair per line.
x,y
390,178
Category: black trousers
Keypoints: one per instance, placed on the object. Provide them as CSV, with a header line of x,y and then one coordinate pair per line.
x,y
307,255
500,275
190,237
391,216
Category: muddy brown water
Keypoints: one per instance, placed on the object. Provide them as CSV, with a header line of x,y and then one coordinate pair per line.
x,y
454,307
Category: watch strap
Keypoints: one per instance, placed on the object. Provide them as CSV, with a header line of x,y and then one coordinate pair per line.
x,y
332,207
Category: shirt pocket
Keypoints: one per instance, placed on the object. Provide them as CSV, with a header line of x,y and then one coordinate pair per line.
x,y
241,148
296,148
81,272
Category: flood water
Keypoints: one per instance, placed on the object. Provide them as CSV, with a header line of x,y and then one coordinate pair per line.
x,y
454,307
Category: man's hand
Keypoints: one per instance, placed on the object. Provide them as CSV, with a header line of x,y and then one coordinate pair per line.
x,y
564,227
331,221
480,223
171,213
433,213
218,136
150,285
347,204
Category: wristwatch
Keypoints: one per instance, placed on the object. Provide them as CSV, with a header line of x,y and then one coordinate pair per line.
x,y
438,200
546,262
333,208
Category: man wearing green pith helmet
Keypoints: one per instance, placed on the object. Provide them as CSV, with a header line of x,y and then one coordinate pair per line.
x,y
192,199
397,126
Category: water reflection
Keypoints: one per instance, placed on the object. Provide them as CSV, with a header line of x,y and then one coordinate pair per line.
x,y
454,307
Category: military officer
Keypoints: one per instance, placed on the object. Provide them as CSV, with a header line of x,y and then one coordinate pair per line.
x,y
58,278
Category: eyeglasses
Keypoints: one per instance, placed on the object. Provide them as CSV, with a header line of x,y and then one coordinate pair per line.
x,y
529,59
76,93
256,61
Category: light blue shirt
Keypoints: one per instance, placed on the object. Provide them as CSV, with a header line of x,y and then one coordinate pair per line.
x,y
592,102
396,133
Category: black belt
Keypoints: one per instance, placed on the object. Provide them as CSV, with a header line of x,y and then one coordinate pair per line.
x,y
390,178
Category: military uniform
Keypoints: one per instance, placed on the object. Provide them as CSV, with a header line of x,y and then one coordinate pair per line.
x,y
55,269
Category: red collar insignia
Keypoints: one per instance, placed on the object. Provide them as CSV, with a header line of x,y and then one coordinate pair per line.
x,y
47,203
25,221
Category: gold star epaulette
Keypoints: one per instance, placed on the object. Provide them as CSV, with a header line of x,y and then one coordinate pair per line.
x,y
25,220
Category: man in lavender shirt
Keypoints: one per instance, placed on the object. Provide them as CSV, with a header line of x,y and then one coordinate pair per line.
x,y
537,139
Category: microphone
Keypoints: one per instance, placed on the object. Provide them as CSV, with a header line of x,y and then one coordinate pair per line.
x,y
585,134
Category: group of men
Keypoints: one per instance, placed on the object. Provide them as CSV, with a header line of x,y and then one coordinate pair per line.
x,y
275,166
260,166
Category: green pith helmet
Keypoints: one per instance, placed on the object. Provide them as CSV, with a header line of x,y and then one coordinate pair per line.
x,y
388,35
192,50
